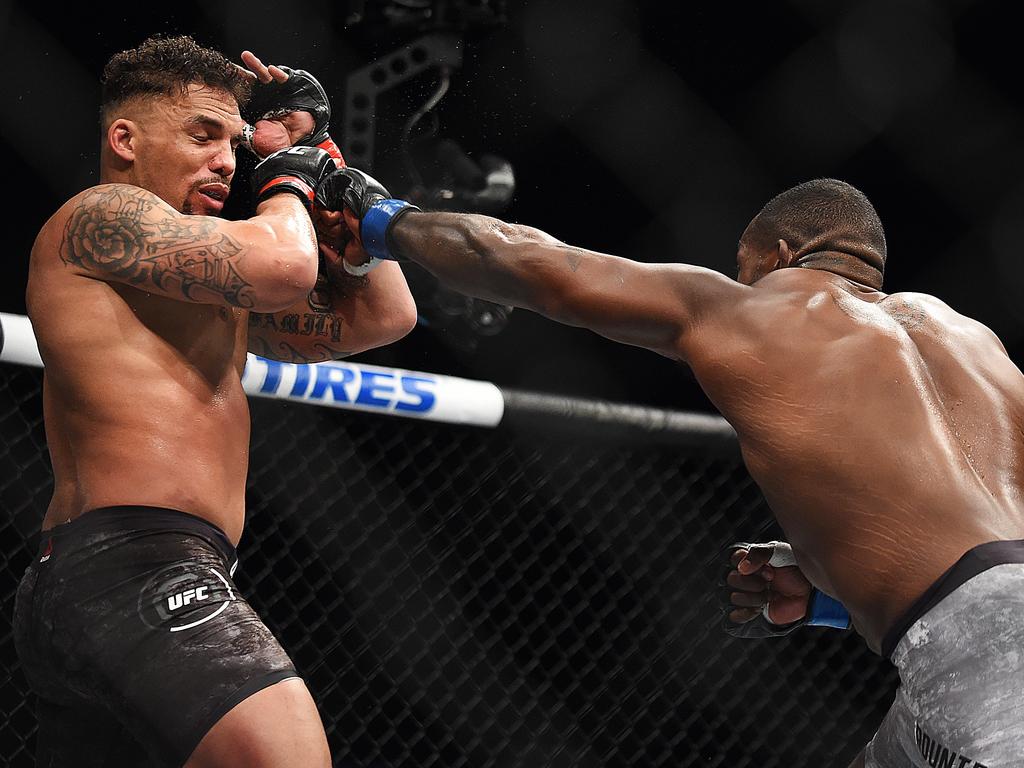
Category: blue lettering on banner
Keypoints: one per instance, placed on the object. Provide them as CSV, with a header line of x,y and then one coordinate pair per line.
x,y
383,390
301,380
372,383
421,388
335,377
273,379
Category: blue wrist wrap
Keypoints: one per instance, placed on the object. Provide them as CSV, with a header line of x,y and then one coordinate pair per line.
x,y
373,230
827,612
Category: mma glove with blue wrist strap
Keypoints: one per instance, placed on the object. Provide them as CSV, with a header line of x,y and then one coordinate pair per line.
x,y
822,610
371,203
825,611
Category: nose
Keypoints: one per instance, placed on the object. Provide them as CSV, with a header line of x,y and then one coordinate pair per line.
x,y
223,161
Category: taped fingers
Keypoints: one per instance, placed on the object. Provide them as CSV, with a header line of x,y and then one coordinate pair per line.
x,y
754,583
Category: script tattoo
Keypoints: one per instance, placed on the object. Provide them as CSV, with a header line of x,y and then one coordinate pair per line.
x,y
320,324
129,234
268,336
297,336
289,353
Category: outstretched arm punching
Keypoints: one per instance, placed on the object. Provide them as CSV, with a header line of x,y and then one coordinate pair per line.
x,y
657,306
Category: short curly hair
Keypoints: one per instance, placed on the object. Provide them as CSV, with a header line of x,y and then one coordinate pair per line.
x,y
166,66
823,215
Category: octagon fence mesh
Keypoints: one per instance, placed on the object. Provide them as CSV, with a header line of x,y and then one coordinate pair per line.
x,y
461,596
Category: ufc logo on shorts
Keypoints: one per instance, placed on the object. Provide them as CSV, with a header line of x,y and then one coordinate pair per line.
x,y
174,602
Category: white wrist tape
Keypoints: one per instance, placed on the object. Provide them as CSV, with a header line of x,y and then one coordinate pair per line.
x,y
782,557
361,269
782,553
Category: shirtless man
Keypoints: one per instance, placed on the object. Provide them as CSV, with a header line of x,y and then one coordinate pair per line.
x,y
144,304
886,431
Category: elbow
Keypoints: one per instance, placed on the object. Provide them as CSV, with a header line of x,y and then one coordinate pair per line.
x,y
288,277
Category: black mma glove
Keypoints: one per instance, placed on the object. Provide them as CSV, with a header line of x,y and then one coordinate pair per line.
x,y
298,170
301,92
369,201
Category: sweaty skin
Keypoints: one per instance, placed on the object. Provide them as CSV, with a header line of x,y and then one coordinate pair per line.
x,y
142,395
886,431
144,314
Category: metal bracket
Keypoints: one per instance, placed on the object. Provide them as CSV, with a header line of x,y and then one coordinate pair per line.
x,y
363,86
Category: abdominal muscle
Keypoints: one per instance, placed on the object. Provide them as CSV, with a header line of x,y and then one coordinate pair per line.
x,y
139,418
194,461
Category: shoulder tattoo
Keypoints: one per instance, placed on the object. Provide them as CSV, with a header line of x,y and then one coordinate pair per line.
x,y
129,234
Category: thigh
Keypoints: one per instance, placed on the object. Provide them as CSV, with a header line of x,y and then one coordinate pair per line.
x,y
890,748
277,727
153,632
962,676
194,649
80,735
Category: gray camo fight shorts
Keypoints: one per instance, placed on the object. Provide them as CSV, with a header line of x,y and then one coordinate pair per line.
x,y
961,698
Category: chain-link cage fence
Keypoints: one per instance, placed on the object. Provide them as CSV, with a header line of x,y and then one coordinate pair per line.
x,y
460,596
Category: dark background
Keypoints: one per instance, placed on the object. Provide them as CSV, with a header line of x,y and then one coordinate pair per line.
x,y
651,130
648,129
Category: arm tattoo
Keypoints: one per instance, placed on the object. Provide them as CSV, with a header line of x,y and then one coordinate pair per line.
x,y
573,257
125,232
289,353
296,336
320,325
313,332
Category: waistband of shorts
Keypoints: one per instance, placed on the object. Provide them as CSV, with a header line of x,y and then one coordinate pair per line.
x,y
140,518
974,561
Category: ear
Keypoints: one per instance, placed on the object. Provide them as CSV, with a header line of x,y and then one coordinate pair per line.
x,y
783,255
122,136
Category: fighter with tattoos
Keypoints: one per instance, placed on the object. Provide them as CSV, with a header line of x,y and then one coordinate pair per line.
x,y
144,303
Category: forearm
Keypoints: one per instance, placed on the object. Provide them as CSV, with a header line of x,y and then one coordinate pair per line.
x,y
341,316
281,240
647,305
282,229
482,256
297,334
379,308
286,217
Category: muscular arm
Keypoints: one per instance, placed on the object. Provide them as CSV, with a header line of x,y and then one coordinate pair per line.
x,y
657,306
341,316
125,234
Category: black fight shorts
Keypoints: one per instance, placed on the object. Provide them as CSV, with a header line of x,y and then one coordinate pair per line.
x,y
132,634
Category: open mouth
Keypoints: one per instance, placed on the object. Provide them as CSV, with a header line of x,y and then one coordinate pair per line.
x,y
214,194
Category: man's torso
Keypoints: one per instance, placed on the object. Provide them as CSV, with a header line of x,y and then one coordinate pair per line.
x,y
885,432
143,402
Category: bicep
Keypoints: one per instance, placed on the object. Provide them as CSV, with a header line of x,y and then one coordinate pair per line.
x,y
655,306
125,234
